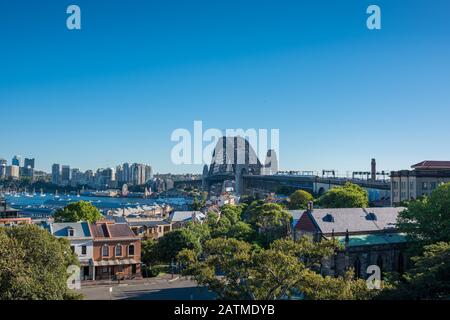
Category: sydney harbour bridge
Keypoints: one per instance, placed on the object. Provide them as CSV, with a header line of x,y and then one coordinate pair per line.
x,y
235,160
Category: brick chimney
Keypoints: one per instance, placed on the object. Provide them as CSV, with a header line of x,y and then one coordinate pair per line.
x,y
310,206
373,170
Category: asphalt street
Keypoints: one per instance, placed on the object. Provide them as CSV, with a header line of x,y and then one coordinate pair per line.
x,y
161,288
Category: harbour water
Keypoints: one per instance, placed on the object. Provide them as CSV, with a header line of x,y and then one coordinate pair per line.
x,y
45,205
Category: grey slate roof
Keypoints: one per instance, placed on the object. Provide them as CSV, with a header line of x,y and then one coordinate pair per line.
x,y
355,220
81,229
148,224
179,216
296,215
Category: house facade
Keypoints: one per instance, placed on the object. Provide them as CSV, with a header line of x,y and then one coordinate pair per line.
x,y
116,251
81,243
150,229
425,177
180,219
368,237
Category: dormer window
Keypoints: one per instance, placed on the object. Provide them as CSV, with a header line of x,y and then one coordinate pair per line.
x,y
328,218
71,232
371,216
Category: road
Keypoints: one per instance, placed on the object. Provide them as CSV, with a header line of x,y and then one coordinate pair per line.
x,y
160,288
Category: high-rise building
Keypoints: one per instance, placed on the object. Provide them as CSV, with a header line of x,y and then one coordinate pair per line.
x,y
56,173
13,172
119,173
148,174
138,174
126,173
16,161
3,164
2,171
76,177
29,162
65,175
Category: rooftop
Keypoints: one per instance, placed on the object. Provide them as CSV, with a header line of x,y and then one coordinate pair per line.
x,y
179,216
355,220
432,164
373,239
80,229
111,230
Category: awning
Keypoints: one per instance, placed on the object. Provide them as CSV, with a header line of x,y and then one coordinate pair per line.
x,y
116,262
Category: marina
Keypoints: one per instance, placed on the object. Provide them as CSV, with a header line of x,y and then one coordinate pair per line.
x,y
37,205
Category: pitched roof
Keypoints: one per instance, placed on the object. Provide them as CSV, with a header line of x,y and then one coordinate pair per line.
x,y
111,230
432,164
373,239
178,216
81,229
355,220
148,223
296,215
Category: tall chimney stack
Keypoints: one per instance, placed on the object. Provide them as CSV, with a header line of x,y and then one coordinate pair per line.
x,y
373,170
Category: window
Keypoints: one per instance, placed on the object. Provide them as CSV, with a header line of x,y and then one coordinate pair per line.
x,y
118,251
411,185
380,264
357,267
395,184
131,250
403,184
401,263
105,251
424,185
328,218
371,216
433,185
71,232
83,249
72,248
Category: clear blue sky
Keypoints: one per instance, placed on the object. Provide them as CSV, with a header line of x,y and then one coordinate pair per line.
x,y
114,91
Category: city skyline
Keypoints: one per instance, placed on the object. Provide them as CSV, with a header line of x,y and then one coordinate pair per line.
x,y
339,94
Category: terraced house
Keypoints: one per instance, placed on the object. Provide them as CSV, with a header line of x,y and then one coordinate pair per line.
x,y
116,251
81,243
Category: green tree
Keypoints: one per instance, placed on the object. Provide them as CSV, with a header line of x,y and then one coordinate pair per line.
x,y
318,287
427,220
241,231
286,268
299,199
231,212
219,225
78,211
33,265
348,196
149,252
269,220
429,278
173,242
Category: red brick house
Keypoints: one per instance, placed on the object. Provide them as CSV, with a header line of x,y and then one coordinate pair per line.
x,y
116,251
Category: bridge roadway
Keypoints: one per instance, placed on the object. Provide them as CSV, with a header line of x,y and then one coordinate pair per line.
x,y
317,185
